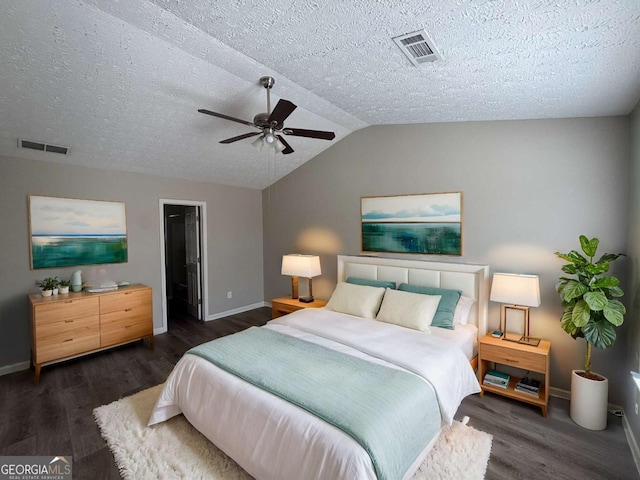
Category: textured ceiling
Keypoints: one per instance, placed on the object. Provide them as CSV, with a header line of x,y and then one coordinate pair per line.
x,y
120,82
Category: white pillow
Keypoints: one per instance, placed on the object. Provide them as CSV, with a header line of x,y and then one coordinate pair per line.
x,y
463,308
358,300
407,309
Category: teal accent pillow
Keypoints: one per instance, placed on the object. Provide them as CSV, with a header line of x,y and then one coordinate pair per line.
x,y
371,283
447,306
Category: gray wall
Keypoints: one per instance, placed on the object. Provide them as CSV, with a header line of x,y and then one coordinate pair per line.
x,y
234,221
530,188
633,339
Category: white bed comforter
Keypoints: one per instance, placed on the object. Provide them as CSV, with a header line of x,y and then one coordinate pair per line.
x,y
275,440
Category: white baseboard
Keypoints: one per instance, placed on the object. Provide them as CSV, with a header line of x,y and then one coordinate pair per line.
x,y
631,440
16,367
559,393
159,330
246,308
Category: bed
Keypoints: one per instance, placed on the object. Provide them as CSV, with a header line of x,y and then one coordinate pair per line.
x,y
274,438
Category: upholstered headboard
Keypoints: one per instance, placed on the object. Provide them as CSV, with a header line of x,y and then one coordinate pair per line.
x,y
473,280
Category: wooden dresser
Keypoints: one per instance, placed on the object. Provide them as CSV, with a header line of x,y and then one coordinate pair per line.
x,y
74,324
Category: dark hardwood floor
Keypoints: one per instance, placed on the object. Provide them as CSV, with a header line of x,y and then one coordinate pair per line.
x,y
55,417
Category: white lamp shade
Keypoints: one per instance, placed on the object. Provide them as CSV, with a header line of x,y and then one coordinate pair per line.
x,y
301,265
515,289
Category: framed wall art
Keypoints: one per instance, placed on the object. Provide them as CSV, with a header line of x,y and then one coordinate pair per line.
x,y
429,224
66,232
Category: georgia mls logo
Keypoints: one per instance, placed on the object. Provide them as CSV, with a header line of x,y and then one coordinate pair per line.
x,y
59,466
35,468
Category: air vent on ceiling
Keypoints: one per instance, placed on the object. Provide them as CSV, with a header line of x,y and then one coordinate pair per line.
x,y
418,47
43,147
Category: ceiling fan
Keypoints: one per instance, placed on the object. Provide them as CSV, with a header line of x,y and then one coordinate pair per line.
x,y
271,124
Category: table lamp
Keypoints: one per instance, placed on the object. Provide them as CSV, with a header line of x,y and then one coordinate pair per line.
x,y
516,292
307,266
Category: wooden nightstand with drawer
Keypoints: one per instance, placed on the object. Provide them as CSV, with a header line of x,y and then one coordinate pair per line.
x,y
516,355
284,305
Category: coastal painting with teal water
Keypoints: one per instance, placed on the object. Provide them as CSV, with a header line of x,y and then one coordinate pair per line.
x,y
67,232
424,224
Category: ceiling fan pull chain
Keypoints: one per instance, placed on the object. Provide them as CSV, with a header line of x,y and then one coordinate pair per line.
x,y
268,100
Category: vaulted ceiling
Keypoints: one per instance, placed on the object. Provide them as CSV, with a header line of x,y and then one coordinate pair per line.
x,y
120,82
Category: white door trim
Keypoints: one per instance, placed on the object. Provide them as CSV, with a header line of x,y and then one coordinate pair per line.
x,y
203,256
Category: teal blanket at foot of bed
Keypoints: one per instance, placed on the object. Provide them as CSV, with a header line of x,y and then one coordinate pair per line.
x,y
392,413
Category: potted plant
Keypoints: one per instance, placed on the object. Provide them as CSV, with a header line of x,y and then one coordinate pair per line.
x,y
48,285
591,311
63,286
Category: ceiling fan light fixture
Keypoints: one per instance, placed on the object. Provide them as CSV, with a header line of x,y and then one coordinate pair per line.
x,y
279,146
270,138
258,143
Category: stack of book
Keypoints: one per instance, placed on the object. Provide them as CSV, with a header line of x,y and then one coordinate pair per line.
x,y
496,379
529,386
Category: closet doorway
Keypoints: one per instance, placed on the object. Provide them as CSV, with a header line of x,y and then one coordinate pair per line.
x,y
184,262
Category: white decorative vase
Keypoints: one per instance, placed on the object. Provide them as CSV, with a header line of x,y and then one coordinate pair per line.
x,y
589,400
76,281
46,293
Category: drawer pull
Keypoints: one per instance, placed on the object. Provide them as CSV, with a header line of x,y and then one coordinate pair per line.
x,y
513,360
68,301
128,293
68,321
128,309
69,340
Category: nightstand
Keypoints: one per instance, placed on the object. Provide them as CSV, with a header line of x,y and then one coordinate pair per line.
x,y
516,355
282,306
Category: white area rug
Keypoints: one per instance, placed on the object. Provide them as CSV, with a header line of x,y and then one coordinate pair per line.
x,y
174,449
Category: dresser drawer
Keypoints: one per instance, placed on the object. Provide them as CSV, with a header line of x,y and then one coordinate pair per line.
x,y
62,339
128,324
124,300
515,358
66,309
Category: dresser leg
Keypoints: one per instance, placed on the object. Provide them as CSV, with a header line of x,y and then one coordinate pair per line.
x,y
152,342
36,375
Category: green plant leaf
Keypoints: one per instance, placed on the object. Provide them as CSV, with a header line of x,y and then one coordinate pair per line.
x,y
570,268
596,300
573,257
600,334
573,289
610,257
615,292
581,313
606,282
597,268
614,312
589,246
566,321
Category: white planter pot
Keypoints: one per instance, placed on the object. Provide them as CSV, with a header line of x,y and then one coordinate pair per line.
x,y
589,400
55,291
63,290
46,293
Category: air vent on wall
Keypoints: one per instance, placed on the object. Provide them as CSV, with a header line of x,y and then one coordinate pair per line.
x,y
418,47
43,147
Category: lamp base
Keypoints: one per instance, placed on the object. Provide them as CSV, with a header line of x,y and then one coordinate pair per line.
x,y
523,340
306,299
534,342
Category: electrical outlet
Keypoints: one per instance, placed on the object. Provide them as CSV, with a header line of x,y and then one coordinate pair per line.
x,y
636,408
230,295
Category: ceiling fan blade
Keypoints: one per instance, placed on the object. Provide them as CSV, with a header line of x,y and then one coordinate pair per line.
x,y
226,117
287,148
283,109
301,132
240,137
